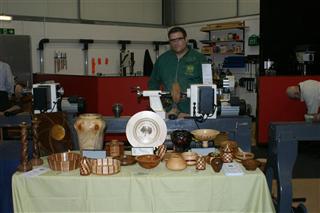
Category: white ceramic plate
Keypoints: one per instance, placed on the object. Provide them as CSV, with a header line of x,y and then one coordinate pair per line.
x,y
146,129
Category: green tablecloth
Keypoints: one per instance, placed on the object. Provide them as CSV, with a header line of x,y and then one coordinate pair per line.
x,y
135,189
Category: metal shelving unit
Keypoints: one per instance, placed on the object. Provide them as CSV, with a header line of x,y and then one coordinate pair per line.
x,y
230,44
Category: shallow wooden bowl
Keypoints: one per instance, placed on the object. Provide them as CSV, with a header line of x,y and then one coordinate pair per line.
x,y
65,161
205,134
148,161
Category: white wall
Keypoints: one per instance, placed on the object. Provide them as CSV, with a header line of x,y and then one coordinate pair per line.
x,y
40,30
123,10
107,10
75,56
188,11
199,10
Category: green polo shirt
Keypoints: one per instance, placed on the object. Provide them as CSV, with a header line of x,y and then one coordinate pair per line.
x,y
186,70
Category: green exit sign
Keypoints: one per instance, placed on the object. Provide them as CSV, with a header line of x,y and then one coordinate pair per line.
x,y
6,31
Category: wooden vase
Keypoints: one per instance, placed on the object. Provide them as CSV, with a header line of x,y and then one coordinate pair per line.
x,y
90,131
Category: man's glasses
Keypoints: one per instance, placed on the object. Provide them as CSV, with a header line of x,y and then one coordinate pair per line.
x,y
176,39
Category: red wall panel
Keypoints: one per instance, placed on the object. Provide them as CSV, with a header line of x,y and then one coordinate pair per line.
x,y
274,105
113,90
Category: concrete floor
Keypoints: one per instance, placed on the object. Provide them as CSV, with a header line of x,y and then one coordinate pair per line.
x,y
306,174
305,188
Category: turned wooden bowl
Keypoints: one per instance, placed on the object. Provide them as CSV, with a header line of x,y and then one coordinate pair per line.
x,y
244,155
148,161
205,134
251,164
65,161
126,160
181,140
105,166
190,158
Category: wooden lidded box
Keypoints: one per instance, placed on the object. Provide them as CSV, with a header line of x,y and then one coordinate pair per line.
x,y
114,148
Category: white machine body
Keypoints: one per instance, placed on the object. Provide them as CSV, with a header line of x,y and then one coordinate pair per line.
x,y
45,95
194,94
155,101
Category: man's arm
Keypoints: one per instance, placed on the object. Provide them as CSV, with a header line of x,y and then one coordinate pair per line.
x,y
9,80
316,117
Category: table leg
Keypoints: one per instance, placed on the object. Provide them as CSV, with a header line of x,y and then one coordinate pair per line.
x,y
286,155
1,135
282,154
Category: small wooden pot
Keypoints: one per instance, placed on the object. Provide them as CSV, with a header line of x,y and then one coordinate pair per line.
x,y
114,148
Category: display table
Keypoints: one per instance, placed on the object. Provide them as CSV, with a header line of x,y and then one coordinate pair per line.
x,y
136,189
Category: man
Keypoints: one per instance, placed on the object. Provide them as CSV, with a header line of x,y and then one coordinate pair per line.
x,y
309,92
6,85
176,69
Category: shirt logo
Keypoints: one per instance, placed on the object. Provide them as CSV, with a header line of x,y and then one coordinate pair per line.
x,y
189,70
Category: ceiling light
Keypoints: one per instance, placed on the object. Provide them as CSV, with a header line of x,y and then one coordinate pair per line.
x,y
4,17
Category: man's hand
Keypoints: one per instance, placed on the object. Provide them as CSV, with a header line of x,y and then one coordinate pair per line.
x,y
316,117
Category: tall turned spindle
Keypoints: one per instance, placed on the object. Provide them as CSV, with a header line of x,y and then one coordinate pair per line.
x,y
36,160
25,165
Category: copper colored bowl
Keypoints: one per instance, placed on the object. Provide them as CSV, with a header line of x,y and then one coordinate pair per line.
x,y
65,161
148,161
105,166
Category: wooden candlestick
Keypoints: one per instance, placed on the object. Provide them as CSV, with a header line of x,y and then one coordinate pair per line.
x,y
25,165
36,160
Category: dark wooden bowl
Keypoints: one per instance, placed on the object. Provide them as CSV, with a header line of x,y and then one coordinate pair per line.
x,y
181,140
148,161
126,160
251,164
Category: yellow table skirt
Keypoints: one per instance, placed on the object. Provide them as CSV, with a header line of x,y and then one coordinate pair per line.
x,y
136,189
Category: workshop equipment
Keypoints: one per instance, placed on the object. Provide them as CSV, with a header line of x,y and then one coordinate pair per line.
x,y
72,104
203,100
46,96
154,98
305,57
60,61
268,66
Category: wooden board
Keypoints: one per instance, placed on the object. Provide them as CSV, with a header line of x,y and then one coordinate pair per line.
x,y
223,26
48,143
